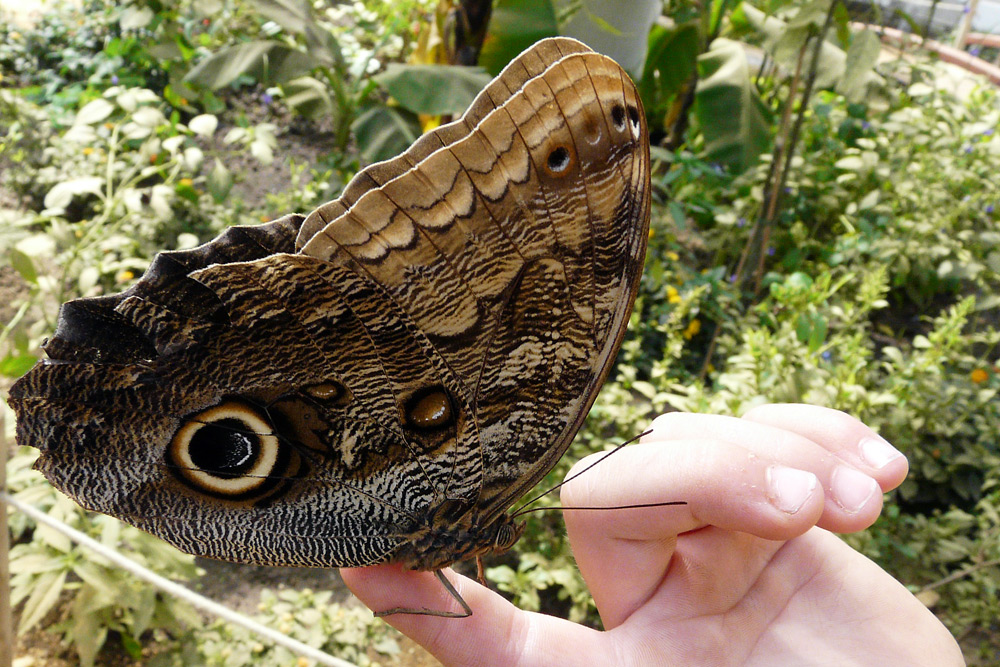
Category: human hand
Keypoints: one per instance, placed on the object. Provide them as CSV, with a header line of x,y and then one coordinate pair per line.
x,y
746,573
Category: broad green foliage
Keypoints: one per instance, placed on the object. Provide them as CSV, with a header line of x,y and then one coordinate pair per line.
x,y
117,183
350,633
514,26
103,597
728,103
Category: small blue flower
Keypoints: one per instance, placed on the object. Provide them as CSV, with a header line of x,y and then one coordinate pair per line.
x,y
974,51
965,10
988,133
114,79
989,208
968,149
732,277
741,221
770,251
266,99
826,355
865,125
717,169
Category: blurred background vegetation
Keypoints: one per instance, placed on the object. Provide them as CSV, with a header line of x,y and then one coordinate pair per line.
x,y
826,229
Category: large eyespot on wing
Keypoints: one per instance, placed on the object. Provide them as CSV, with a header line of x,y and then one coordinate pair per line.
x,y
230,451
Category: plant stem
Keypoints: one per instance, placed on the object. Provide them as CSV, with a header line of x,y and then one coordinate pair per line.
x,y
961,574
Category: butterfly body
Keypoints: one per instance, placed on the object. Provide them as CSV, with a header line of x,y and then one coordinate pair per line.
x,y
381,380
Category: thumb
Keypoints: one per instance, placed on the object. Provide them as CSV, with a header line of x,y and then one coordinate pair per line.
x,y
497,633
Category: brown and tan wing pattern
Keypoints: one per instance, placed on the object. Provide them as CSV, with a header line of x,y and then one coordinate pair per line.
x,y
379,381
529,64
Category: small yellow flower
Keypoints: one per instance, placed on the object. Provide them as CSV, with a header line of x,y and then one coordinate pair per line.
x,y
672,256
124,276
302,662
184,101
652,232
979,376
264,217
693,327
186,182
428,123
673,296
15,35
87,150
109,126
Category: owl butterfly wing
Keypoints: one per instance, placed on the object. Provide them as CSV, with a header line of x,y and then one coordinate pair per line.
x,y
269,411
338,406
526,66
516,248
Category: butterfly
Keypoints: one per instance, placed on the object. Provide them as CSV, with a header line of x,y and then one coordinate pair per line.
x,y
378,381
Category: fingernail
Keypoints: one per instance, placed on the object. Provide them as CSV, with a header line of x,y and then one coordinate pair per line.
x,y
877,452
790,488
852,489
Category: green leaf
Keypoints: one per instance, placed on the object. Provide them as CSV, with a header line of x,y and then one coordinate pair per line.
x,y
677,213
670,63
88,631
268,62
34,563
817,332
323,46
131,646
811,14
94,112
434,89
219,182
861,58
23,265
14,365
850,163
144,610
292,15
514,26
44,595
733,119
383,132
718,10
187,192
309,97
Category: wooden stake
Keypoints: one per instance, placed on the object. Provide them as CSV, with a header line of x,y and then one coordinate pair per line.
x,y
6,627
966,25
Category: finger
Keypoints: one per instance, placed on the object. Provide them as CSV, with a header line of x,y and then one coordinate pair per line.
x,y
624,554
841,434
497,633
854,496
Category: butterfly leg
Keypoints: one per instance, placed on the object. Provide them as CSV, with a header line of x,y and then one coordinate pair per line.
x,y
480,577
433,612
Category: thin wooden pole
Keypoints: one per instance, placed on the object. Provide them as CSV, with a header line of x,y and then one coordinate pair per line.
x,y
966,24
6,625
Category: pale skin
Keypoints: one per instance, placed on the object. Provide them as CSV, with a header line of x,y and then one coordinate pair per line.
x,y
748,572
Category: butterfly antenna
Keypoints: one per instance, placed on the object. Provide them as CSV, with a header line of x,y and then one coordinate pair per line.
x,y
522,509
